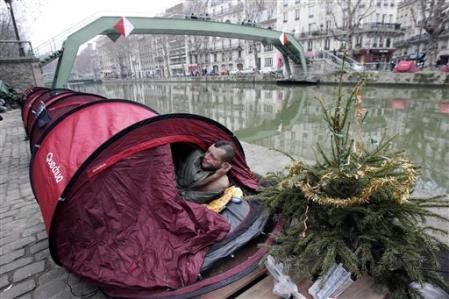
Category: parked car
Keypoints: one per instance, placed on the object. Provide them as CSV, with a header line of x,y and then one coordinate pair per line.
x,y
213,73
406,66
234,72
267,70
445,68
248,72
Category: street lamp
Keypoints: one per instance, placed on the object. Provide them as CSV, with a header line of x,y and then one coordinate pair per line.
x,y
9,5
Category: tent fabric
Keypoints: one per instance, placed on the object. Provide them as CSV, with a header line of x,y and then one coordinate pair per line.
x,y
34,106
71,141
28,101
56,108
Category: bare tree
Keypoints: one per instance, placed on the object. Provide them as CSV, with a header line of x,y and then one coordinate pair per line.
x,y
431,16
198,45
6,33
117,52
253,10
348,16
165,53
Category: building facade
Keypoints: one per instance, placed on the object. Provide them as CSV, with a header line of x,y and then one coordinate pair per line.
x,y
366,28
415,40
372,31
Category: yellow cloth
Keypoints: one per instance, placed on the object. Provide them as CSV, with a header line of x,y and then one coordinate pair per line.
x,y
219,204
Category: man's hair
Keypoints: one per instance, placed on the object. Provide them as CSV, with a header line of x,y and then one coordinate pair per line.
x,y
228,148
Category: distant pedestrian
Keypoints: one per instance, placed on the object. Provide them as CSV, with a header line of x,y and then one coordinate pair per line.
x,y
392,64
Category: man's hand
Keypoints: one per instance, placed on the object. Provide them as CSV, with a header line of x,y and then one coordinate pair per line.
x,y
224,169
218,178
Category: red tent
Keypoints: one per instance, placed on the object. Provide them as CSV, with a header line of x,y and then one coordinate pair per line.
x,y
103,174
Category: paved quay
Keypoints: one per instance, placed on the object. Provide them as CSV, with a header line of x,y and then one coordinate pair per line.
x,y
26,268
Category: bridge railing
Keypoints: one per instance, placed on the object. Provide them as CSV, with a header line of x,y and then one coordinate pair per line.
x,y
55,43
16,49
349,63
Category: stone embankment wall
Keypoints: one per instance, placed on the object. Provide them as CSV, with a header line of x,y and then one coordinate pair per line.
x,y
436,78
20,73
423,78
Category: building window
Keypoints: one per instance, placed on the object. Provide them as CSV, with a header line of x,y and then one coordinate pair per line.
x,y
327,44
285,2
240,53
388,43
359,41
285,17
329,8
268,61
296,14
268,48
215,57
309,45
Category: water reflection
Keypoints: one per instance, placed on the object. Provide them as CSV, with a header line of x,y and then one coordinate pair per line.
x,y
289,118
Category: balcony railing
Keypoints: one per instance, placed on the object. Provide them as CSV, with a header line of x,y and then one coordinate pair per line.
x,y
381,26
312,33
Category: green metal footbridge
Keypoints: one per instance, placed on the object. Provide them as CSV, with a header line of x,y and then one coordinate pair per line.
x,y
142,25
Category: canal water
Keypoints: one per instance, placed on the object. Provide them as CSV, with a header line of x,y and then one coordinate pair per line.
x,y
289,119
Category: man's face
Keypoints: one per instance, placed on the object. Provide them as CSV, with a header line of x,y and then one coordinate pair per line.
x,y
213,158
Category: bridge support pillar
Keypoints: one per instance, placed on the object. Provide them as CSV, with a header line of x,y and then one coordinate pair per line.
x,y
287,65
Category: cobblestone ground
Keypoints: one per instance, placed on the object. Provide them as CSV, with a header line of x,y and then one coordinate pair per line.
x,y
26,268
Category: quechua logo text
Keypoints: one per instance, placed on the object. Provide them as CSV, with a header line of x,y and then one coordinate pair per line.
x,y
54,168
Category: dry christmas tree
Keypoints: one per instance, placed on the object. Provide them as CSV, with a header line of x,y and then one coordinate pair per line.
x,y
354,207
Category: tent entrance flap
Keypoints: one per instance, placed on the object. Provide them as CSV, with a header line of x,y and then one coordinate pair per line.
x,y
94,170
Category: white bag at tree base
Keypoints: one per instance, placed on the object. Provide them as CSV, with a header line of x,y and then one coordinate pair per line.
x,y
332,284
429,291
283,285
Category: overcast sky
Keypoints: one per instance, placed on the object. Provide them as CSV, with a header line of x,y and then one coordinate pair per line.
x,y
45,19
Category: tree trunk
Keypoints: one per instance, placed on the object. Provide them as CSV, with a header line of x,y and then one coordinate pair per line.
x,y
432,51
257,67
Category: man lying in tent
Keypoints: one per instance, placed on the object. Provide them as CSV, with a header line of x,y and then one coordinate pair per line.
x,y
202,177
